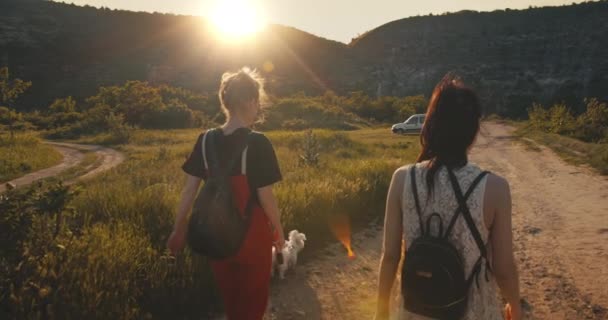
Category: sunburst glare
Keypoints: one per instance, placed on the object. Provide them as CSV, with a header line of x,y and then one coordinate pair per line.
x,y
236,18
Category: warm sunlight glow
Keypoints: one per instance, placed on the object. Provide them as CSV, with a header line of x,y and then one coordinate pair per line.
x,y
340,226
236,18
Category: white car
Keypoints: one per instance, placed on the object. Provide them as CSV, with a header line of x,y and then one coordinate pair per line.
x,y
412,124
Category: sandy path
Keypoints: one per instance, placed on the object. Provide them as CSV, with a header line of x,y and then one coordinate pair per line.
x,y
107,158
561,227
72,156
560,215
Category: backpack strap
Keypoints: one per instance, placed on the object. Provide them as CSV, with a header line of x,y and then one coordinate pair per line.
x,y
244,161
466,197
466,213
203,144
210,159
471,224
212,163
241,155
415,192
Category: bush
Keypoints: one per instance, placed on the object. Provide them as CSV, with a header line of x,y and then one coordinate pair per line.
x,y
65,119
561,120
119,131
298,113
66,105
175,115
590,126
556,119
593,124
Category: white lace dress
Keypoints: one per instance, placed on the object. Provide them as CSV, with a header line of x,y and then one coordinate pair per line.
x,y
483,302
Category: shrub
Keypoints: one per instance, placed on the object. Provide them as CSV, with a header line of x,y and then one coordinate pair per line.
x,y
561,120
310,149
592,126
539,117
119,131
175,115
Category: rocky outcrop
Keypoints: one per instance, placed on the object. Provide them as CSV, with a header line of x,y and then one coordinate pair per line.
x,y
513,58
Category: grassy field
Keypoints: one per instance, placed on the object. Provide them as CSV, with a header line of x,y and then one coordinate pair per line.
x,y
109,260
570,149
24,154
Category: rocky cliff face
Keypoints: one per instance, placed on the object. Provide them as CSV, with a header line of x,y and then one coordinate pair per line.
x,y
512,58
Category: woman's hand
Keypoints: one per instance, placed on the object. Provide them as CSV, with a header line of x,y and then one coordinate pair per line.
x,y
280,241
513,312
177,241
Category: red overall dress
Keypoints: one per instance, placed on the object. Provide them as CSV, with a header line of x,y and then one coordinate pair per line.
x,y
244,279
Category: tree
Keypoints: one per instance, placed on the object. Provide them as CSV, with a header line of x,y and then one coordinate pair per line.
x,y
66,105
11,120
10,90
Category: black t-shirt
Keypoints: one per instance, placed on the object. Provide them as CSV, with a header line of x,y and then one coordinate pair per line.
x,y
262,165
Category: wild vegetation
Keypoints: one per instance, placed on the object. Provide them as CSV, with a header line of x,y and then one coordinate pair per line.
x,y
512,57
581,138
99,250
24,153
19,153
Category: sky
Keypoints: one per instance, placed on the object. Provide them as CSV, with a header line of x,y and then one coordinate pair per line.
x,y
339,20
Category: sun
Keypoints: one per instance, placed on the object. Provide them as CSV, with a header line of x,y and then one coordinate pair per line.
x,y
236,18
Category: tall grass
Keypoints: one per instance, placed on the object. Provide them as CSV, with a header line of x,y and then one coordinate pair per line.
x,y
24,153
110,260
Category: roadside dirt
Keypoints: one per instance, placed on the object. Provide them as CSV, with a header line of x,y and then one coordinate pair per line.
x,y
560,218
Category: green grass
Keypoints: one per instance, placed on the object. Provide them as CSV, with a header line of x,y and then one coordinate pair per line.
x,y
114,263
24,154
570,149
88,163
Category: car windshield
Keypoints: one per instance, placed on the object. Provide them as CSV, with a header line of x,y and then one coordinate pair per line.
x,y
411,120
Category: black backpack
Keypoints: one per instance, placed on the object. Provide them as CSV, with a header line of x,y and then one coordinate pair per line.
x,y
433,283
216,228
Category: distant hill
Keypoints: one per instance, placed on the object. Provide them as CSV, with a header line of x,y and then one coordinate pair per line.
x,y
511,57
70,50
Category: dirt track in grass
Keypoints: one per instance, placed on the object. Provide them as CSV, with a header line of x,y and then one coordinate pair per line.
x,y
72,155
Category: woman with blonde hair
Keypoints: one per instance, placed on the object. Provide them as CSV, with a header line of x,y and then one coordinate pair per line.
x,y
243,279
458,246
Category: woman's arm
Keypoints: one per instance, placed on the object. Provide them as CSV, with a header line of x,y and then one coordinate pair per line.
x,y
505,269
391,251
176,241
269,204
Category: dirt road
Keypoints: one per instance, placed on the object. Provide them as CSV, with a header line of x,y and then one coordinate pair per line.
x,y
560,216
72,156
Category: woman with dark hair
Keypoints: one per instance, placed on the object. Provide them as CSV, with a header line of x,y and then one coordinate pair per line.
x,y
427,189
243,279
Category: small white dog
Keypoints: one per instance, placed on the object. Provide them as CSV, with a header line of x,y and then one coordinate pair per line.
x,y
290,251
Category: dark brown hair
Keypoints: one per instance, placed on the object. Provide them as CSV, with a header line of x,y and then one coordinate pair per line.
x,y
450,127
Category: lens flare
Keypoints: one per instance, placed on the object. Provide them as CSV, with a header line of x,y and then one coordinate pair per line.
x,y
340,227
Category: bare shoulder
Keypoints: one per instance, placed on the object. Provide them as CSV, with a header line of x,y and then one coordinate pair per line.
x,y
398,180
400,174
497,183
497,190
